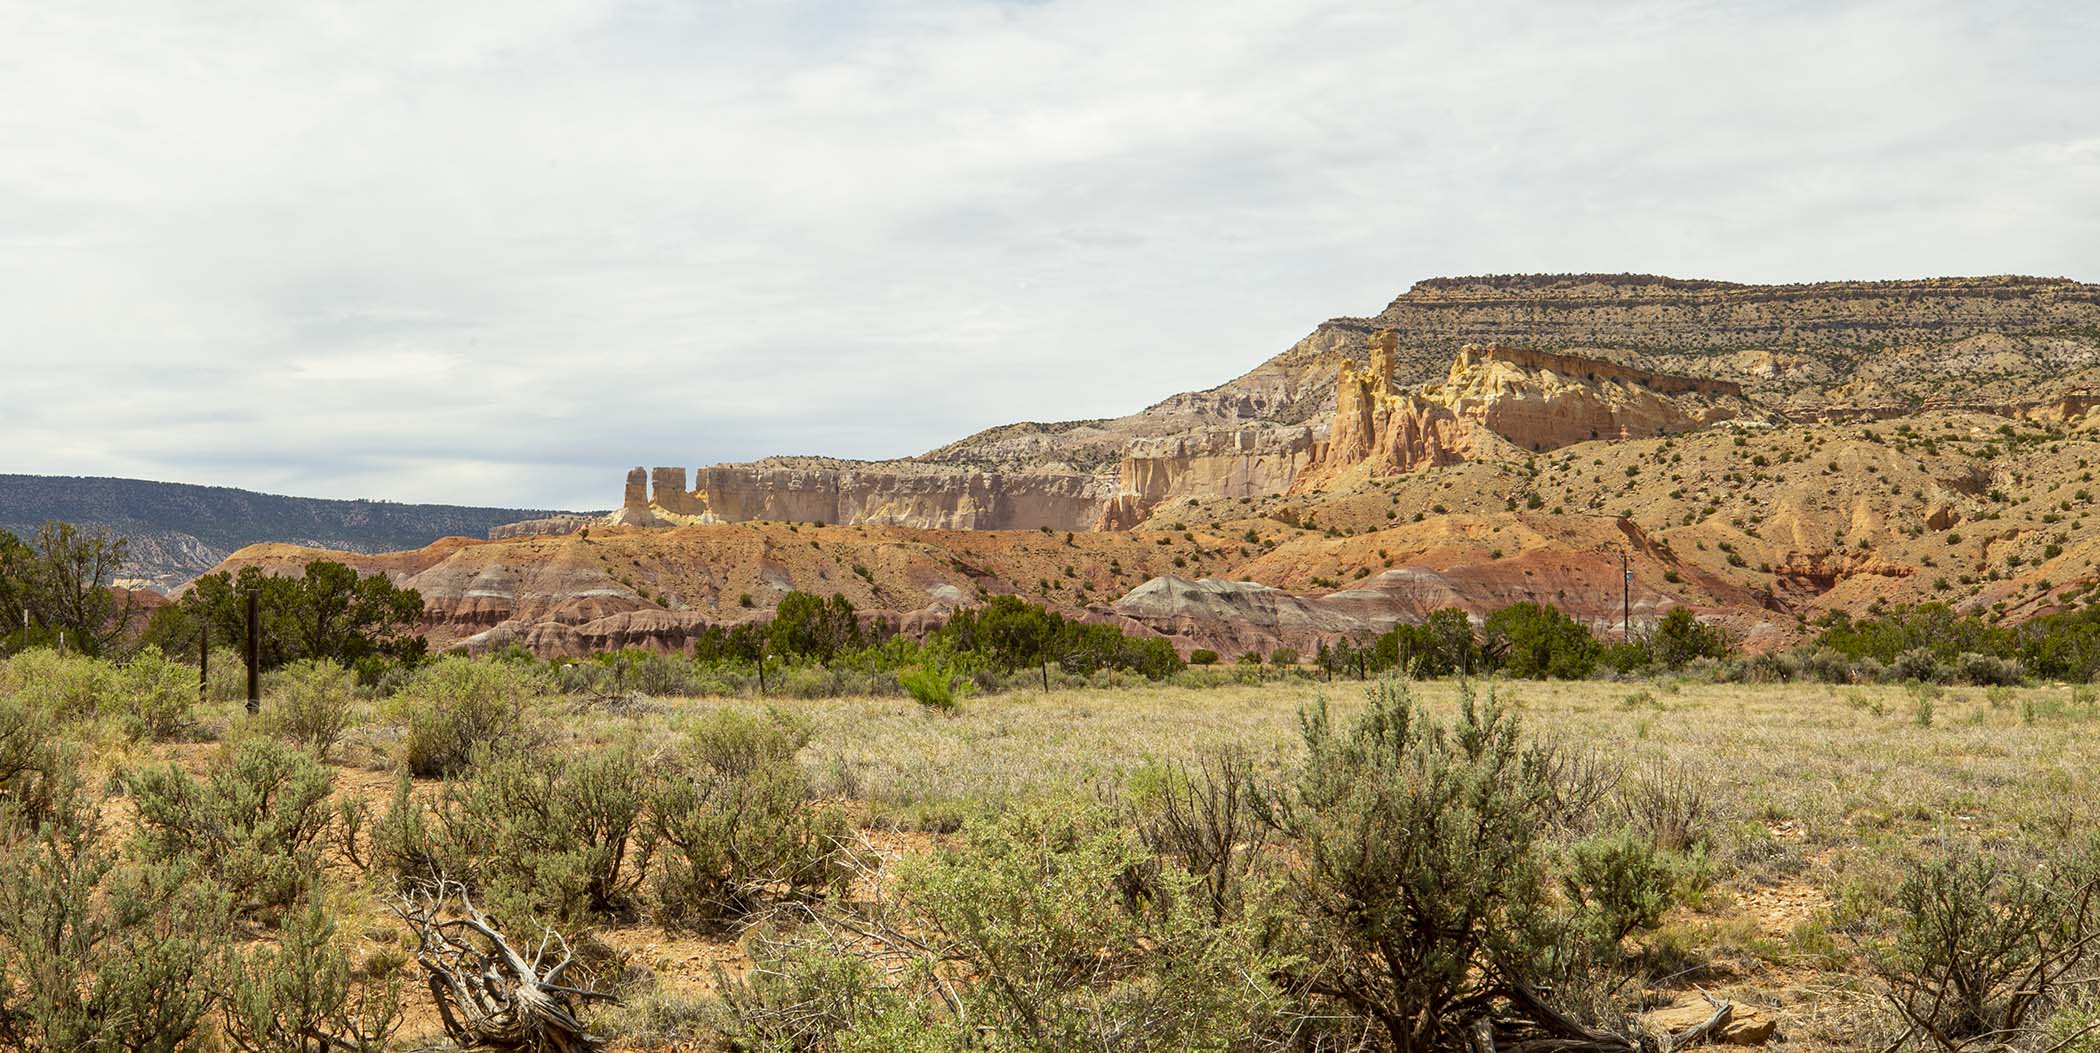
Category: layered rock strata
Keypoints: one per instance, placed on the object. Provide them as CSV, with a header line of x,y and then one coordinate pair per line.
x,y
1499,402
1627,351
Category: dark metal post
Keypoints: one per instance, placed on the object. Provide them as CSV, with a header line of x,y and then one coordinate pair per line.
x,y
761,670
204,662
254,660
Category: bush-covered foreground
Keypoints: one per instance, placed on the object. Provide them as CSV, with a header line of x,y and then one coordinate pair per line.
x,y
1272,865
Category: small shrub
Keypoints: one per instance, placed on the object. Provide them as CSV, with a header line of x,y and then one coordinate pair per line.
x,y
96,954
1205,819
1203,656
404,840
303,995
65,687
155,694
1033,919
1919,665
1620,882
737,742
738,823
38,767
456,704
1981,942
310,703
1418,866
255,824
1987,670
1670,806
555,836
930,686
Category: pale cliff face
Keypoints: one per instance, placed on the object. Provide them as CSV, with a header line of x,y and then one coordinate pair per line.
x,y
1496,402
1665,354
1492,403
951,500
1544,402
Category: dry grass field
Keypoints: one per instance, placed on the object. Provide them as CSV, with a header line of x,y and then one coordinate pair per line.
x,y
1814,796
1794,812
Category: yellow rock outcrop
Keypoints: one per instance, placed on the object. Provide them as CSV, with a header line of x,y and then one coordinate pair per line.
x,y
1496,401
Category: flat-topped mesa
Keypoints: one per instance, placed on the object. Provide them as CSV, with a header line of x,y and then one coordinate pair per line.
x,y
1501,400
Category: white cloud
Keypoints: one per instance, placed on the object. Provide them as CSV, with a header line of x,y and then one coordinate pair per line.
x,y
496,252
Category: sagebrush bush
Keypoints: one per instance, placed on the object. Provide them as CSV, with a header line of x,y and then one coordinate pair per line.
x,y
1621,882
404,839
38,766
310,703
154,695
549,834
97,954
1420,869
66,687
226,676
1987,670
456,704
736,741
737,823
256,823
304,995
1981,941
1032,917
1918,664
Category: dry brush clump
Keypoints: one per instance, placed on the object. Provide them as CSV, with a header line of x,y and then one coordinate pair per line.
x,y
1992,947
147,696
210,925
1192,839
311,703
1409,885
702,833
256,824
1031,935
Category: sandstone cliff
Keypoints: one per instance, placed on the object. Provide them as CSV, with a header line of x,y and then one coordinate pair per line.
x,y
1835,349
1212,463
1798,348
1756,528
817,490
1499,402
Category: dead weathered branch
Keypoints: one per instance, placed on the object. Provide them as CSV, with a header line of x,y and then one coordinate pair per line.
x,y
490,996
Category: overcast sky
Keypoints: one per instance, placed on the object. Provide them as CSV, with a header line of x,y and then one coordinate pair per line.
x,y
497,252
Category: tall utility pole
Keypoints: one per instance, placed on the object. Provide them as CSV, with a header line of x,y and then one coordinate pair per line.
x,y
1625,597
